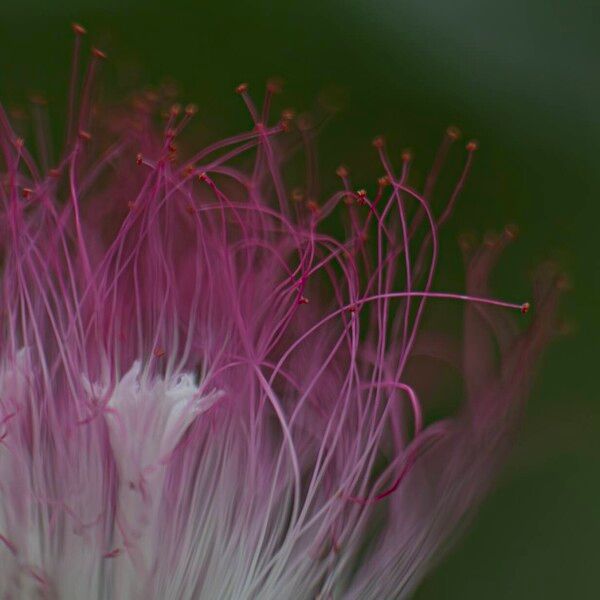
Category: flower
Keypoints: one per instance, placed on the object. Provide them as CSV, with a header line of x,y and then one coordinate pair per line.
x,y
203,394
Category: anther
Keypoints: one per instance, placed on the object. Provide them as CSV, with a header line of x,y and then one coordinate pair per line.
x,y
17,112
379,142
490,239
303,300
297,195
99,53
341,171
465,242
383,181
305,122
275,85
240,89
85,136
140,104
169,89
453,132
78,29
525,308
362,196
288,114
313,207
472,146
151,96
158,352
26,192
38,100
139,159
191,109
406,155
175,109
563,283
511,231
287,117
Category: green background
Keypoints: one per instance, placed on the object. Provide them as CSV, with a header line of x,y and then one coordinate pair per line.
x,y
522,77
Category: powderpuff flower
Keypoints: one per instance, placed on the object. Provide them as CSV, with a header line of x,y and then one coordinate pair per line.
x,y
204,392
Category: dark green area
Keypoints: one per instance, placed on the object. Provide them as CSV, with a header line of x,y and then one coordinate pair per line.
x,y
520,76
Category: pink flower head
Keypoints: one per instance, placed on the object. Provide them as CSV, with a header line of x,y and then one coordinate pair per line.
x,y
204,394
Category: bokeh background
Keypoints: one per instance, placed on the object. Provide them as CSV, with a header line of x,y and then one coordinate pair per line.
x,y
522,77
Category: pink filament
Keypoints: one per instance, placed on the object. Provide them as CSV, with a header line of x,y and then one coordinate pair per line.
x,y
114,273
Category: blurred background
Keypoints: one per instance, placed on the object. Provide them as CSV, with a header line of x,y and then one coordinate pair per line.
x,y
522,77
